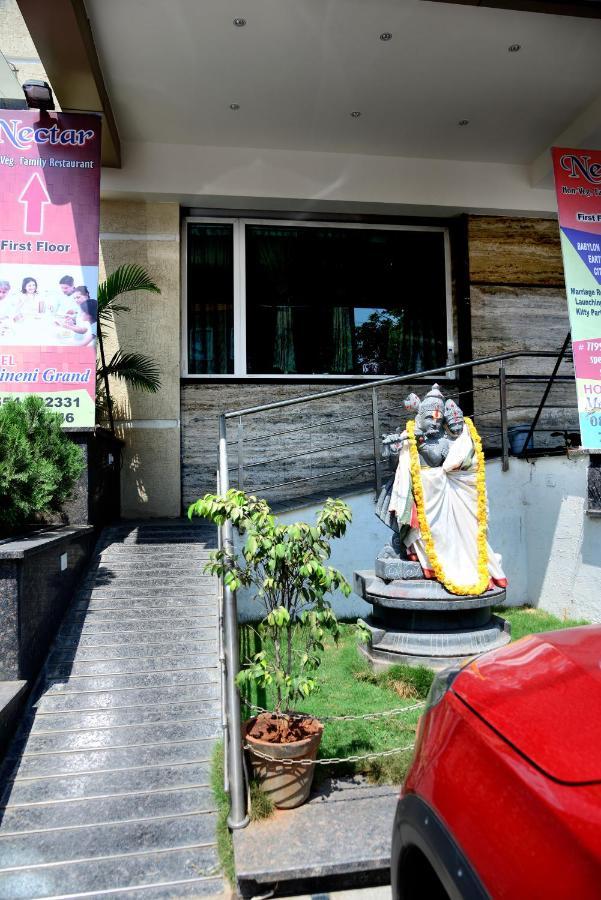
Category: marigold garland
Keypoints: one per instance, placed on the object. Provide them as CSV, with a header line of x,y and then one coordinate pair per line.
x,y
481,585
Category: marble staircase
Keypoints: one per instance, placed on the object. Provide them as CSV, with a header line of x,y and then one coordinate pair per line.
x,y
105,789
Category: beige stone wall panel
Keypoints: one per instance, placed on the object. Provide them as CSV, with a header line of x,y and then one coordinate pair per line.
x,y
151,470
150,476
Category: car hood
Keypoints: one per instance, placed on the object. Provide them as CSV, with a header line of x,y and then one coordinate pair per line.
x,y
543,695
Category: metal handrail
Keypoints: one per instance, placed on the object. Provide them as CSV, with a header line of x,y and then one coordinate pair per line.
x,y
238,817
391,379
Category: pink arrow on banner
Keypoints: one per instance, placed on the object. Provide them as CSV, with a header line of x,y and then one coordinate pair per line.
x,y
34,197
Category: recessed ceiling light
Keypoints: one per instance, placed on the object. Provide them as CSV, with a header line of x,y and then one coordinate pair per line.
x,y
239,22
355,114
386,36
463,122
234,106
514,48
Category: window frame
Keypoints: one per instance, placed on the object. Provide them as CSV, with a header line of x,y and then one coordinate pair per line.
x,y
239,294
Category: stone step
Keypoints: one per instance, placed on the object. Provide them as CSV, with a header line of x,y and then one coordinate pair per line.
x,y
155,625
177,606
85,761
148,595
85,702
90,841
82,684
192,559
145,579
161,540
172,713
153,876
108,784
95,652
184,553
117,737
106,809
74,637
130,610
143,582
196,525
350,835
129,666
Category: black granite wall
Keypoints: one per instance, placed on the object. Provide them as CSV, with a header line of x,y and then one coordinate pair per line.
x,y
38,576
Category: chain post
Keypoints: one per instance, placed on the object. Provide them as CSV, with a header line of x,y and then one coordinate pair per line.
x,y
375,416
503,406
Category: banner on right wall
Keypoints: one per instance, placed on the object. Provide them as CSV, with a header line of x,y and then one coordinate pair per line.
x,y
578,187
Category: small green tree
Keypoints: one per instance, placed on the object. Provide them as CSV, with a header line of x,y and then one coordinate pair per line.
x,y
137,370
286,566
38,463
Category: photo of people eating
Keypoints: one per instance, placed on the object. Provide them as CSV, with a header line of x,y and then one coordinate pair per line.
x,y
39,308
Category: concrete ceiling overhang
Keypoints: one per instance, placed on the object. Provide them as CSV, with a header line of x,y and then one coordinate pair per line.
x,y
61,32
299,68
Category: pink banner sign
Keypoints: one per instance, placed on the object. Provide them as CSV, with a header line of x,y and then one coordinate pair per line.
x,y
49,221
578,186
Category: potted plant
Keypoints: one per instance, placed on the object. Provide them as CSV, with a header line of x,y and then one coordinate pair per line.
x,y
286,567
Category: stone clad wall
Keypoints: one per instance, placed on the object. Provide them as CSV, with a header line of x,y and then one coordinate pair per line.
x,y
518,302
344,424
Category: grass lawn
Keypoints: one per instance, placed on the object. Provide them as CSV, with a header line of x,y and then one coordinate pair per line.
x,y
347,686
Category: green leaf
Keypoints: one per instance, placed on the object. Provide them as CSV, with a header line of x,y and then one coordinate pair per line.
x,y
135,369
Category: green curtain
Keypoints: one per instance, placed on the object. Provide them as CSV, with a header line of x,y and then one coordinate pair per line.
x,y
342,339
210,301
284,359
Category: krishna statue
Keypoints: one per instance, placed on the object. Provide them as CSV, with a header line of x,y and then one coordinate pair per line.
x,y
436,503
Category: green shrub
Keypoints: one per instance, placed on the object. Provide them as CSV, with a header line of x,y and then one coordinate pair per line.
x,y
38,463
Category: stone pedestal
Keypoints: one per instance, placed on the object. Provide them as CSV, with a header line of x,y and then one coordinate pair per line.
x,y
415,621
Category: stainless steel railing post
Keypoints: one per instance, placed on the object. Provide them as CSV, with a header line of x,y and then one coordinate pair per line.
x,y
503,406
238,816
375,422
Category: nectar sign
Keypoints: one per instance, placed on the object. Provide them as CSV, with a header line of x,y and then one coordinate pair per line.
x,y
49,218
578,186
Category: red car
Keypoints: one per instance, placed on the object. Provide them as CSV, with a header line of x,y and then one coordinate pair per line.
x,y
503,798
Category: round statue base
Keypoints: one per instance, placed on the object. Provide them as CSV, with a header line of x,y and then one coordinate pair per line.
x,y
417,622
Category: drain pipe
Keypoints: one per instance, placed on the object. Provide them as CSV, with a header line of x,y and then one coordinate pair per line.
x,y
238,817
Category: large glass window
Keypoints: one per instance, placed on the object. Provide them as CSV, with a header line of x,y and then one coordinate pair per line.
x,y
344,301
210,299
311,299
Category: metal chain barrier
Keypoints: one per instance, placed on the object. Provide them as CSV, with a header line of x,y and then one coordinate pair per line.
x,y
327,762
387,713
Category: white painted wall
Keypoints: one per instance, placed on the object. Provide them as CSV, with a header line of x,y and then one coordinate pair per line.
x,y
245,177
551,549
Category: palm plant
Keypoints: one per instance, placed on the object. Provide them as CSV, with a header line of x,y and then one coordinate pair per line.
x,y
135,369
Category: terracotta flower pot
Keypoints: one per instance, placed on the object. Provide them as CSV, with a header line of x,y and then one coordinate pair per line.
x,y
288,786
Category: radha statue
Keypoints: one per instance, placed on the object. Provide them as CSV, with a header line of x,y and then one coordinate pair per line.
x,y
436,501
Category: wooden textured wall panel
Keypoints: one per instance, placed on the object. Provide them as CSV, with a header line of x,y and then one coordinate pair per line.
x,y
522,251
518,302
325,436
518,318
